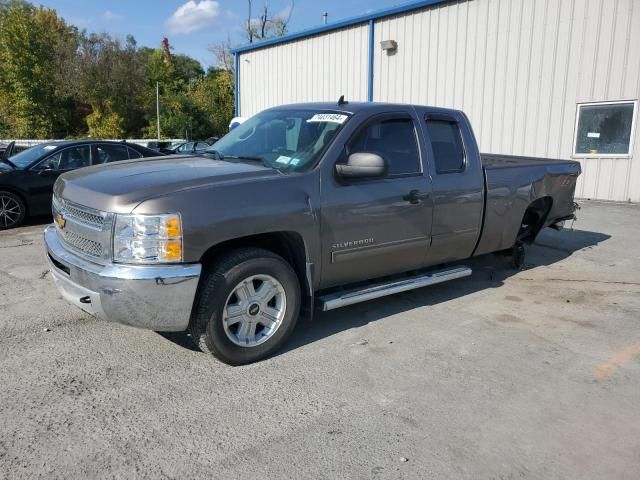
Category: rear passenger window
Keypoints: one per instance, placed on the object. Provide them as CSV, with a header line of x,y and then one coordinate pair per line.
x,y
134,153
394,139
446,142
111,153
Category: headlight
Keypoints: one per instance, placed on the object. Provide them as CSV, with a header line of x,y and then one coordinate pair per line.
x,y
147,239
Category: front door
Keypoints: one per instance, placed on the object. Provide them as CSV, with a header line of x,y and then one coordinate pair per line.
x,y
377,227
45,174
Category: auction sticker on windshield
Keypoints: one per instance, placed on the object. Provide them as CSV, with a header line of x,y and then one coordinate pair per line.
x,y
328,117
283,159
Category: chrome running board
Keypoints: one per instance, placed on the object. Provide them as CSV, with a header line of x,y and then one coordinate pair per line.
x,y
332,301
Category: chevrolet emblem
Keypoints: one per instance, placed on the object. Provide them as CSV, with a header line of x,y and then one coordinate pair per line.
x,y
60,221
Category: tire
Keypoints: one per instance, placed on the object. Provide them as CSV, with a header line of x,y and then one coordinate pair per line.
x,y
237,289
518,256
12,210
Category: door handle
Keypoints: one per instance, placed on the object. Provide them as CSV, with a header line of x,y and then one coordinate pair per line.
x,y
415,196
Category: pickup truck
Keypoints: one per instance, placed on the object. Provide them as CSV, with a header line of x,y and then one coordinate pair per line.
x,y
318,205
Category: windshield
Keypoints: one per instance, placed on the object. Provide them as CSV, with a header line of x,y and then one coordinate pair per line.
x,y
283,139
26,158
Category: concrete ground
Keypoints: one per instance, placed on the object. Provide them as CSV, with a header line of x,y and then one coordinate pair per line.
x,y
529,374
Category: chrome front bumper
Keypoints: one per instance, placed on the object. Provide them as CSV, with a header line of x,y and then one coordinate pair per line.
x,y
154,297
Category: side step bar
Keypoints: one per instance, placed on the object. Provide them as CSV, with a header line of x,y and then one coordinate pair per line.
x,y
332,301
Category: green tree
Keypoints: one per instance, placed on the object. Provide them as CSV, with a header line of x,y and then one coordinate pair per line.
x,y
30,41
180,115
108,79
214,95
103,122
56,81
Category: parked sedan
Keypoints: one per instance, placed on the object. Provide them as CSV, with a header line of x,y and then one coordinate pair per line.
x,y
27,178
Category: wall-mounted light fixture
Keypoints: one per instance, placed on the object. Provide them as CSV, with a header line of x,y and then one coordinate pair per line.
x,y
389,46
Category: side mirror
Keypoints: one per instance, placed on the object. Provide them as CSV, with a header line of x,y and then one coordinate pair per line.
x,y
45,172
363,165
8,151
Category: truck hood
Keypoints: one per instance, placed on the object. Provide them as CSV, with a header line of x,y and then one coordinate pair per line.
x,y
120,187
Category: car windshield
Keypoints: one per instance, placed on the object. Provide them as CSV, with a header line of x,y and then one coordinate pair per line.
x,y
282,139
30,155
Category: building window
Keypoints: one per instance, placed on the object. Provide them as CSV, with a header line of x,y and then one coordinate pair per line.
x,y
605,129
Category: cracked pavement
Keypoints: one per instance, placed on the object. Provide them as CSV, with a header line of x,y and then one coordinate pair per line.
x,y
528,374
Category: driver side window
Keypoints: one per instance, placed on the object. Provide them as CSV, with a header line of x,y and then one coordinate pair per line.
x,y
394,139
68,159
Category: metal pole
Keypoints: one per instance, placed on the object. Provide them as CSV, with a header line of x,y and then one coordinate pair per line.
x,y
158,107
325,16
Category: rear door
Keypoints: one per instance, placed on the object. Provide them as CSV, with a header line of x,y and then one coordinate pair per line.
x,y
200,147
185,148
458,184
109,153
133,153
377,227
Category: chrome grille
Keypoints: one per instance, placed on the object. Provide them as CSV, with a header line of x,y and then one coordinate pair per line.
x,y
78,242
85,231
84,216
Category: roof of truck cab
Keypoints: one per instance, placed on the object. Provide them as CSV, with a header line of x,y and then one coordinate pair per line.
x,y
352,107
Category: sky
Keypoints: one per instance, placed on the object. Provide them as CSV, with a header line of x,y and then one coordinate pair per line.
x,y
191,26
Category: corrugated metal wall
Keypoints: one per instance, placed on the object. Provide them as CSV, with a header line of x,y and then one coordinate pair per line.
x,y
519,68
319,68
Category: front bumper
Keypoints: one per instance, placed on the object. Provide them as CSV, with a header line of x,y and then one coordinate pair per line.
x,y
154,297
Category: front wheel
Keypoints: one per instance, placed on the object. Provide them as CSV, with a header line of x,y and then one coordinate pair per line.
x,y
518,256
247,307
12,210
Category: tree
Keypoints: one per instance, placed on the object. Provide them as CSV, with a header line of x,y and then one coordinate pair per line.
x,y
108,79
103,122
180,115
214,95
57,81
30,39
266,25
222,55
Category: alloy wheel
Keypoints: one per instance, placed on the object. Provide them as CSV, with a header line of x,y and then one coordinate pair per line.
x,y
254,310
10,211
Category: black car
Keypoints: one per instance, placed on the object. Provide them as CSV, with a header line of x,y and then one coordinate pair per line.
x,y
27,178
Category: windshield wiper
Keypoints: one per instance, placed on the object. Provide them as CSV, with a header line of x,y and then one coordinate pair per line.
x,y
219,156
266,163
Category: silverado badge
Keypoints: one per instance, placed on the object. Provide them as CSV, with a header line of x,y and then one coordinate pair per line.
x,y
60,221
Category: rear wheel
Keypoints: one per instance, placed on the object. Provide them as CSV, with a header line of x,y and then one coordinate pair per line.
x,y
247,307
12,210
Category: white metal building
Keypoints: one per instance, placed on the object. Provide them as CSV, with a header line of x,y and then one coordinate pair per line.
x,y
551,78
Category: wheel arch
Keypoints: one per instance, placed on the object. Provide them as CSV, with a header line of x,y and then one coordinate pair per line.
x,y
287,244
534,219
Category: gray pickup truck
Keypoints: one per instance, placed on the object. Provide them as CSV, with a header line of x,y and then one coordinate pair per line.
x,y
310,205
